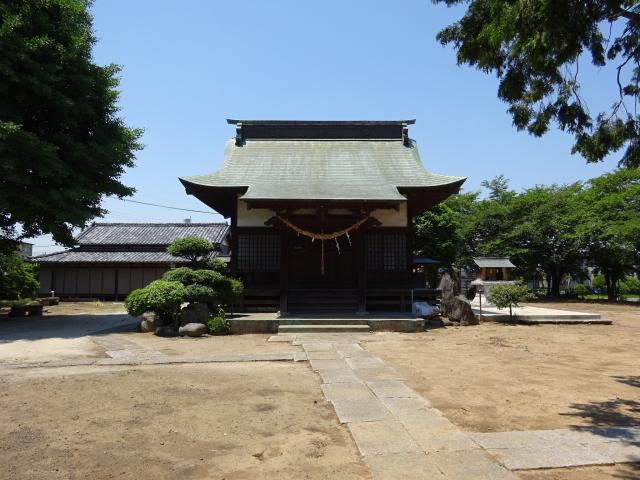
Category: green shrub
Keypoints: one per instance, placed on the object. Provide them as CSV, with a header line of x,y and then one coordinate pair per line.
x,y
194,249
218,325
189,276
629,286
230,290
200,293
508,295
165,297
580,290
136,302
217,265
18,279
24,301
598,281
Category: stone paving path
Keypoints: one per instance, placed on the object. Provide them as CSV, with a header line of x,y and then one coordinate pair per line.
x,y
398,433
401,436
563,448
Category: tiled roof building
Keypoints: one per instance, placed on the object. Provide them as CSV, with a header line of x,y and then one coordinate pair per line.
x,y
112,259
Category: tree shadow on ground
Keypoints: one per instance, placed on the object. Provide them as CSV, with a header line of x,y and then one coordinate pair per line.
x,y
64,326
617,418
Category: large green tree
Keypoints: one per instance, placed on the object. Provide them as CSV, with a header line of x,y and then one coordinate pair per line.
x,y
442,232
542,237
538,48
63,146
609,225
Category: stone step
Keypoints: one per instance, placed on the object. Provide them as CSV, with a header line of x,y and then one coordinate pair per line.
x,y
323,329
322,321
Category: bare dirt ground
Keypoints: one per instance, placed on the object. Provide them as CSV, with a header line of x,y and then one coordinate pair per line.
x,y
213,345
496,377
231,421
85,308
65,331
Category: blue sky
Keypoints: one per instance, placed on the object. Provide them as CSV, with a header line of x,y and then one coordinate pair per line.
x,y
189,65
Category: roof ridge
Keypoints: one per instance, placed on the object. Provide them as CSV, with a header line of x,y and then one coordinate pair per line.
x,y
173,224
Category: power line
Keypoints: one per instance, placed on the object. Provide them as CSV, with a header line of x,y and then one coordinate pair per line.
x,y
167,206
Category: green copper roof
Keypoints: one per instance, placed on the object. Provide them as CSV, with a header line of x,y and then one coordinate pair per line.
x,y
362,169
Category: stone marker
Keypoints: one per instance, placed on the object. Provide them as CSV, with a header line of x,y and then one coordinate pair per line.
x,y
195,313
192,330
166,331
148,322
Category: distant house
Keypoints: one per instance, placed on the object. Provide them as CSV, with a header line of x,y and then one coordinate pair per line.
x,y
112,259
25,249
493,269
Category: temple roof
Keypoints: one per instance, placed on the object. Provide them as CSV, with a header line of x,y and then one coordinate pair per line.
x,y
133,242
369,161
150,233
493,262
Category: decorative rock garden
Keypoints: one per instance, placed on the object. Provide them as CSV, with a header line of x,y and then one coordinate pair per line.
x,y
188,300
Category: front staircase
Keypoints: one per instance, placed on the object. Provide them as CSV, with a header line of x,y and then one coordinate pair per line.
x,y
322,300
320,324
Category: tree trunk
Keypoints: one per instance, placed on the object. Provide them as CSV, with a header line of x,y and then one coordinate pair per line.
x,y
611,290
548,275
555,284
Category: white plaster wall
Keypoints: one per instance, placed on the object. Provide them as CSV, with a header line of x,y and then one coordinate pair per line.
x,y
392,218
254,217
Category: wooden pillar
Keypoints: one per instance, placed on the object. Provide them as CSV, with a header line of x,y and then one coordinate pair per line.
x,y
284,271
362,273
233,241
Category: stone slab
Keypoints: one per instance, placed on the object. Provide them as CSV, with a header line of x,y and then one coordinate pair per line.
x,y
382,437
281,338
338,375
328,364
618,452
323,328
364,362
503,440
323,355
427,420
391,389
470,465
346,391
317,347
442,441
349,349
252,325
403,466
300,357
404,406
360,410
383,372
551,456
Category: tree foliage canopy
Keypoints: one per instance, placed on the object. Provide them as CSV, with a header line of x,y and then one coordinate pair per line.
x,y
17,278
548,231
536,49
62,145
508,295
193,248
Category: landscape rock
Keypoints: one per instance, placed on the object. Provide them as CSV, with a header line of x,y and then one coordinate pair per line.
x,y
435,322
192,330
166,331
461,311
148,322
195,313
455,308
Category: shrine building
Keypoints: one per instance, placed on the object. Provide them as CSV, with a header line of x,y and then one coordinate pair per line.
x,y
321,212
